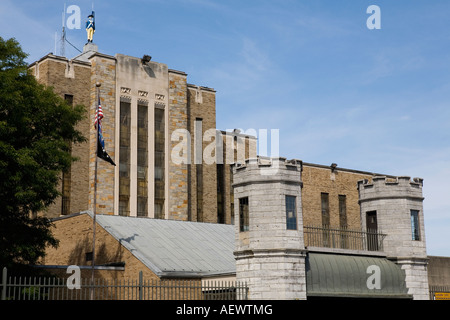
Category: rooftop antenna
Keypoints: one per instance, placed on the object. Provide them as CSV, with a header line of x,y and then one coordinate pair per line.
x,y
62,45
56,38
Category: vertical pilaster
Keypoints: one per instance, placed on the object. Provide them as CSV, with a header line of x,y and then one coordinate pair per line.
x,y
178,191
103,71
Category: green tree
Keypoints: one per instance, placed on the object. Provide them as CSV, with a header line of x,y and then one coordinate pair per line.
x,y
36,129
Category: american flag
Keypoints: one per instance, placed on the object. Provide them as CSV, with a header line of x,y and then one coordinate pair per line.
x,y
101,152
98,117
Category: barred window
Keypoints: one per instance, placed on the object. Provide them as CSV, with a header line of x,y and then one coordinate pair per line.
x,y
142,161
415,225
291,213
243,214
124,159
159,163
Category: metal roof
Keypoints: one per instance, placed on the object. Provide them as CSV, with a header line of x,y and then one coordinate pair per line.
x,y
175,248
333,275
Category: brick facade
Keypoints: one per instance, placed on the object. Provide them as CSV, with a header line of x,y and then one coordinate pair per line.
x,y
178,172
319,179
70,78
201,107
127,77
103,72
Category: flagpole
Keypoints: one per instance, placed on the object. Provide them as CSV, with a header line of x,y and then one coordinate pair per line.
x,y
95,187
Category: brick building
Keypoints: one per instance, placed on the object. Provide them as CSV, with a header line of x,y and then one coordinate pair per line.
x,y
156,128
173,164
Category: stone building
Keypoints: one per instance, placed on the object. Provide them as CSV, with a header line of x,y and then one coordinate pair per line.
x,y
281,256
160,131
271,247
302,230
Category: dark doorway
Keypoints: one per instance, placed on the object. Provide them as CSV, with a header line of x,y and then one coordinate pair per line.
x,y
372,231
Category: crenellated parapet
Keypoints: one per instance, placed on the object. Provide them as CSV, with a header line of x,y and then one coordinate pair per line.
x,y
265,169
382,187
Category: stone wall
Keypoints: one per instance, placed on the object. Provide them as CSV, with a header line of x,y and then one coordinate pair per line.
x,y
439,271
70,78
103,71
393,200
202,105
233,142
270,258
178,170
75,236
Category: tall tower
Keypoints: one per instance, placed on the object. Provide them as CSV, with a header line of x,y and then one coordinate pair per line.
x,y
395,208
269,253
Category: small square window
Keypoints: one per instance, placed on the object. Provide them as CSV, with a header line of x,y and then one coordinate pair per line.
x,y
88,256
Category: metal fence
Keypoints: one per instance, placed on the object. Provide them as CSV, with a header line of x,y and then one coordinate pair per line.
x,y
53,288
342,238
440,293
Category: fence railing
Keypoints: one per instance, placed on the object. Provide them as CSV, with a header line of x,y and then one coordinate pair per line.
x,y
342,238
53,288
439,292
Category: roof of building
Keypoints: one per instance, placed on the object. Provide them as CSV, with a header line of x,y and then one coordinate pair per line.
x,y
334,275
172,248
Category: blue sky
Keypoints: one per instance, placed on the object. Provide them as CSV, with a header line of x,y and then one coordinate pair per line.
x,y
373,100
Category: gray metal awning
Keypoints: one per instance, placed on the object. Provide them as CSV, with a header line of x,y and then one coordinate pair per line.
x,y
333,275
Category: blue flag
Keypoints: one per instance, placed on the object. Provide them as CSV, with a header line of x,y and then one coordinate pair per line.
x,y
101,151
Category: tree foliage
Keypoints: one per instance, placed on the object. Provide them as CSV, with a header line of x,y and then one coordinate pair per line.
x,y
36,129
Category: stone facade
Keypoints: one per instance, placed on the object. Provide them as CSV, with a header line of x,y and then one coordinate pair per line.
x,y
393,201
270,258
190,188
103,72
203,182
178,172
74,247
70,78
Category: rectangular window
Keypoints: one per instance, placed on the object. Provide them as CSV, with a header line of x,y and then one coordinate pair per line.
x,y
198,153
142,161
415,225
69,99
342,211
243,214
220,193
372,231
291,213
124,158
231,195
159,163
344,237
325,210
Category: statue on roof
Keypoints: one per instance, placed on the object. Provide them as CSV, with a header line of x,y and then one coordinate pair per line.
x,y
90,27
